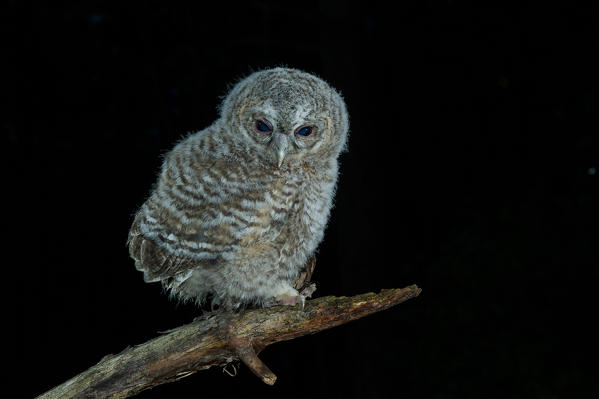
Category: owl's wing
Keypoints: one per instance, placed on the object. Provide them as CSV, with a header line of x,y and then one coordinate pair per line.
x,y
305,275
187,222
156,263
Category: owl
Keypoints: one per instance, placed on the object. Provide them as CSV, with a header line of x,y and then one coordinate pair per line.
x,y
240,207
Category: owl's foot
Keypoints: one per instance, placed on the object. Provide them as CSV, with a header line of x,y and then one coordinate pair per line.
x,y
290,297
292,300
306,292
289,301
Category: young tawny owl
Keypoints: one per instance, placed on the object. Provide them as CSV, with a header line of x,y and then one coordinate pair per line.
x,y
241,206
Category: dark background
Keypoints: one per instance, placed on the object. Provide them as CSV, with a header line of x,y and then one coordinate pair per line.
x,y
471,172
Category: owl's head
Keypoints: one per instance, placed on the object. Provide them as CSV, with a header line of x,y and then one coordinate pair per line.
x,y
283,116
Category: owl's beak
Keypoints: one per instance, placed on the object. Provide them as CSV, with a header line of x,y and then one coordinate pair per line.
x,y
280,157
281,142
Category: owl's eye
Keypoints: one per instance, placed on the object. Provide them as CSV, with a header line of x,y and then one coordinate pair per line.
x,y
263,126
304,131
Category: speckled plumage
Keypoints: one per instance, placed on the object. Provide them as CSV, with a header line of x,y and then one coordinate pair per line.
x,y
237,212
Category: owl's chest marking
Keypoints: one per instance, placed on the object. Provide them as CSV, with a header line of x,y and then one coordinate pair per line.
x,y
285,221
272,218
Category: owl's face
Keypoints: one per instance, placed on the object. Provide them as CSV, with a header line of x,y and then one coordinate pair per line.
x,y
285,131
287,116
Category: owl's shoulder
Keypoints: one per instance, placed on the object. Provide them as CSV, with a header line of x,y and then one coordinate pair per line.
x,y
202,143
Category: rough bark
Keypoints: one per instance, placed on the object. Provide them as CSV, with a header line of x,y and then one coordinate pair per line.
x,y
217,339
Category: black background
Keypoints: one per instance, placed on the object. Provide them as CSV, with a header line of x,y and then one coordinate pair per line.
x,y
471,172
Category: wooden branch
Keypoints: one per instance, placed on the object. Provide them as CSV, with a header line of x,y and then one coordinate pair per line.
x,y
217,339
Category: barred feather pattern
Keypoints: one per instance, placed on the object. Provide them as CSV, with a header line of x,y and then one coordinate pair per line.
x,y
224,219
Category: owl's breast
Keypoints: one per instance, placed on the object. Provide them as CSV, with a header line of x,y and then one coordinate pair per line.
x,y
268,208
295,214
217,212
